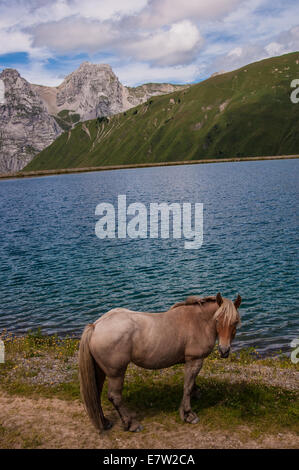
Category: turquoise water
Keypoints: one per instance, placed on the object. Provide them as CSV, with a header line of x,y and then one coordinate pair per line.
x,y
56,274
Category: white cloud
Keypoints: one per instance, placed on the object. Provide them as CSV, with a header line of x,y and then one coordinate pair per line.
x,y
68,26
177,45
274,48
36,73
14,41
287,41
32,12
237,51
147,40
75,35
162,12
105,10
138,73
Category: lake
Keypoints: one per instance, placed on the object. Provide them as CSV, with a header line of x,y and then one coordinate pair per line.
x,y
56,274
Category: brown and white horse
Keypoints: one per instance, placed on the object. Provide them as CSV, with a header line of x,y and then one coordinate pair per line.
x,y
186,333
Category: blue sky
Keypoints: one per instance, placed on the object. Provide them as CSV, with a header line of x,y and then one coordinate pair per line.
x,y
176,41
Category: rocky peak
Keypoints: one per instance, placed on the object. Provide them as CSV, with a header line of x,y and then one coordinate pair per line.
x,y
26,128
18,92
88,66
10,74
84,64
93,90
32,116
88,70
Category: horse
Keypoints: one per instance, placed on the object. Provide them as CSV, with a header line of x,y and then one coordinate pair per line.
x,y
185,334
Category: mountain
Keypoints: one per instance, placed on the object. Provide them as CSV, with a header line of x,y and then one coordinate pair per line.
x,y
93,90
33,116
247,112
26,127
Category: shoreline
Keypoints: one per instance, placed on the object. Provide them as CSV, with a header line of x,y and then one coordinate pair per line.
x,y
38,173
238,349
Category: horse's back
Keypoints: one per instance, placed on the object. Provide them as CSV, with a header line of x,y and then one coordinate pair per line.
x,y
113,324
118,325
110,343
150,340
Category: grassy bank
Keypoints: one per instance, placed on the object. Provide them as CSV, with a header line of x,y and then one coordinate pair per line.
x,y
61,171
243,394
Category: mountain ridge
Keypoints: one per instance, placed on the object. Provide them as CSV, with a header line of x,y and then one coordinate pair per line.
x,y
96,77
246,112
91,91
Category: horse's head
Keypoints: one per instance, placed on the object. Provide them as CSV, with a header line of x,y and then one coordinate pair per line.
x,y
227,319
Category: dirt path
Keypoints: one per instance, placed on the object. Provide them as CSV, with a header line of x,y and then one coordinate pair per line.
x,y
55,423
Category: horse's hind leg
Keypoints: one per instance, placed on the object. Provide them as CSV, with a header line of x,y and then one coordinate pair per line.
x,y
115,386
192,368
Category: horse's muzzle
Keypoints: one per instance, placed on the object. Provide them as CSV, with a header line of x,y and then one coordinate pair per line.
x,y
224,352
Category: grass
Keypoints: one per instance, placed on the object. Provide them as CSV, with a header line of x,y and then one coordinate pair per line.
x,y
223,405
9,438
35,343
247,112
156,394
66,119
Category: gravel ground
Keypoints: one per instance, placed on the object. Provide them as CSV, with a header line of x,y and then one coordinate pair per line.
x,y
284,378
46,370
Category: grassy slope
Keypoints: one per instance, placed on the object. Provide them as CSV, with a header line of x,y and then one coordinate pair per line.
x,y
247,112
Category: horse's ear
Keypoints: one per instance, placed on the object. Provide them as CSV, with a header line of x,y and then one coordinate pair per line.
x,y
219,299
238,301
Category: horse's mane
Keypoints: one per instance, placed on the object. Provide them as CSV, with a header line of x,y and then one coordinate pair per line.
x,y
227,308
192,300
229,312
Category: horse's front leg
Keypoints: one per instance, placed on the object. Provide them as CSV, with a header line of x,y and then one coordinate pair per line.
x,y
192,368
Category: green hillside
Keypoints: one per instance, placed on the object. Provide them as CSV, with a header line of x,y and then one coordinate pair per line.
x,y
247,112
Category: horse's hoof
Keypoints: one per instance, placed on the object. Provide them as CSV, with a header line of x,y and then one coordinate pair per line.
x,y
195,420
135,427
192,419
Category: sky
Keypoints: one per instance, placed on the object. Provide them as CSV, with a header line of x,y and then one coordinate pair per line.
x,y
176,41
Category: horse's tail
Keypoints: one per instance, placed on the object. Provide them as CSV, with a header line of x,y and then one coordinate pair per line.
x,y
92,379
